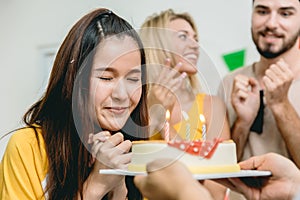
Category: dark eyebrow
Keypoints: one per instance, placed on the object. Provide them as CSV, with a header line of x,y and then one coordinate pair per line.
x,y
288,8
261,7
282,8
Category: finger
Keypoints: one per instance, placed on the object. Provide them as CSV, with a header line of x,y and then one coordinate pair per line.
x,y
177,82
96,147
242,79
282,66
125,146
183,75
254,85
115,156
241,86
268,83
90,139
286,71
114,140
178,66
168,63
175,71
169,75
241,94
164,71
251,163
124,160
101,136
109,145
158,90
119,155
247,164
270,73
278,71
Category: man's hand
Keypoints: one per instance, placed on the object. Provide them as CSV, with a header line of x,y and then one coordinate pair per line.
x,y
277,80
245,98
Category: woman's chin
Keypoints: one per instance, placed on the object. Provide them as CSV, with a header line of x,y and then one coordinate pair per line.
x,y
116,127
112,125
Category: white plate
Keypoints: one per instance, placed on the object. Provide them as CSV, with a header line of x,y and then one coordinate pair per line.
x,y
242,173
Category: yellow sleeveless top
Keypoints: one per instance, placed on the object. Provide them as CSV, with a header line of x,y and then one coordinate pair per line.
x,y
192,127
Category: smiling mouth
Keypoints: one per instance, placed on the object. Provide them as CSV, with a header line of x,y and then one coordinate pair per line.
x,y
269,34
191,56
117,110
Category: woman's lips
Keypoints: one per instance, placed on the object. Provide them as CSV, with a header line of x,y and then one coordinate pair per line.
x,y
117,110
191,57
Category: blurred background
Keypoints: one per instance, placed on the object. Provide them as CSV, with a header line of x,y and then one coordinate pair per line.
x,y
32,30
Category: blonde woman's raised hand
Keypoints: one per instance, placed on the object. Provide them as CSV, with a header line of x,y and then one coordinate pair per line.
x,y
164,89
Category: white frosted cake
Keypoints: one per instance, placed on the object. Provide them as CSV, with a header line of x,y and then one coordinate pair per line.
x,y
200,157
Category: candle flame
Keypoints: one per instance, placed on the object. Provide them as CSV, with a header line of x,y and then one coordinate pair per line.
x,y
202,118
168,115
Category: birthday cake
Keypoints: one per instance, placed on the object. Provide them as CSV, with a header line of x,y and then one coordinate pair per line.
x,y
201,157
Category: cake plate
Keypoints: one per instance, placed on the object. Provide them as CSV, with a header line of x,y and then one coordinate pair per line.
x,y
240,174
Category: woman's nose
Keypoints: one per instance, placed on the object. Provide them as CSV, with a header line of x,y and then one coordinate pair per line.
x,y
119,91
193,43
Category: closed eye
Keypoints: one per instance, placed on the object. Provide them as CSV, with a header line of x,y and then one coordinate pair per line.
x,y
106,78
133,79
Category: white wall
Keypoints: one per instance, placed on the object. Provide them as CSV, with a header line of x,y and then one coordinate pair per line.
x,y
28,27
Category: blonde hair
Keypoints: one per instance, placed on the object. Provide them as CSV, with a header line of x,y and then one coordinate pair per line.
x,y
158,44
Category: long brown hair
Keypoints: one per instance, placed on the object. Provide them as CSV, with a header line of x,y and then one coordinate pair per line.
x,y
64,104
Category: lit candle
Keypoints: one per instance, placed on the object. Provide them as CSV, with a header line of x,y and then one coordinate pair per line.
x,y
187,126
167,126
202,119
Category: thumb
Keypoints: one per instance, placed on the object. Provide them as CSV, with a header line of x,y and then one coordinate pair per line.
x,y
253,163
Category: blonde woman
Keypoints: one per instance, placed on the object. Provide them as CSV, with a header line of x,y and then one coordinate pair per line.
x,y
172,52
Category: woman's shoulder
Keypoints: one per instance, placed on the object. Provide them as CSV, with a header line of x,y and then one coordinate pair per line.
x,y
26,134
26,159
25,137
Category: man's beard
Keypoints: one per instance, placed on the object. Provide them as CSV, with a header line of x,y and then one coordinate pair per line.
x,y
268,53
